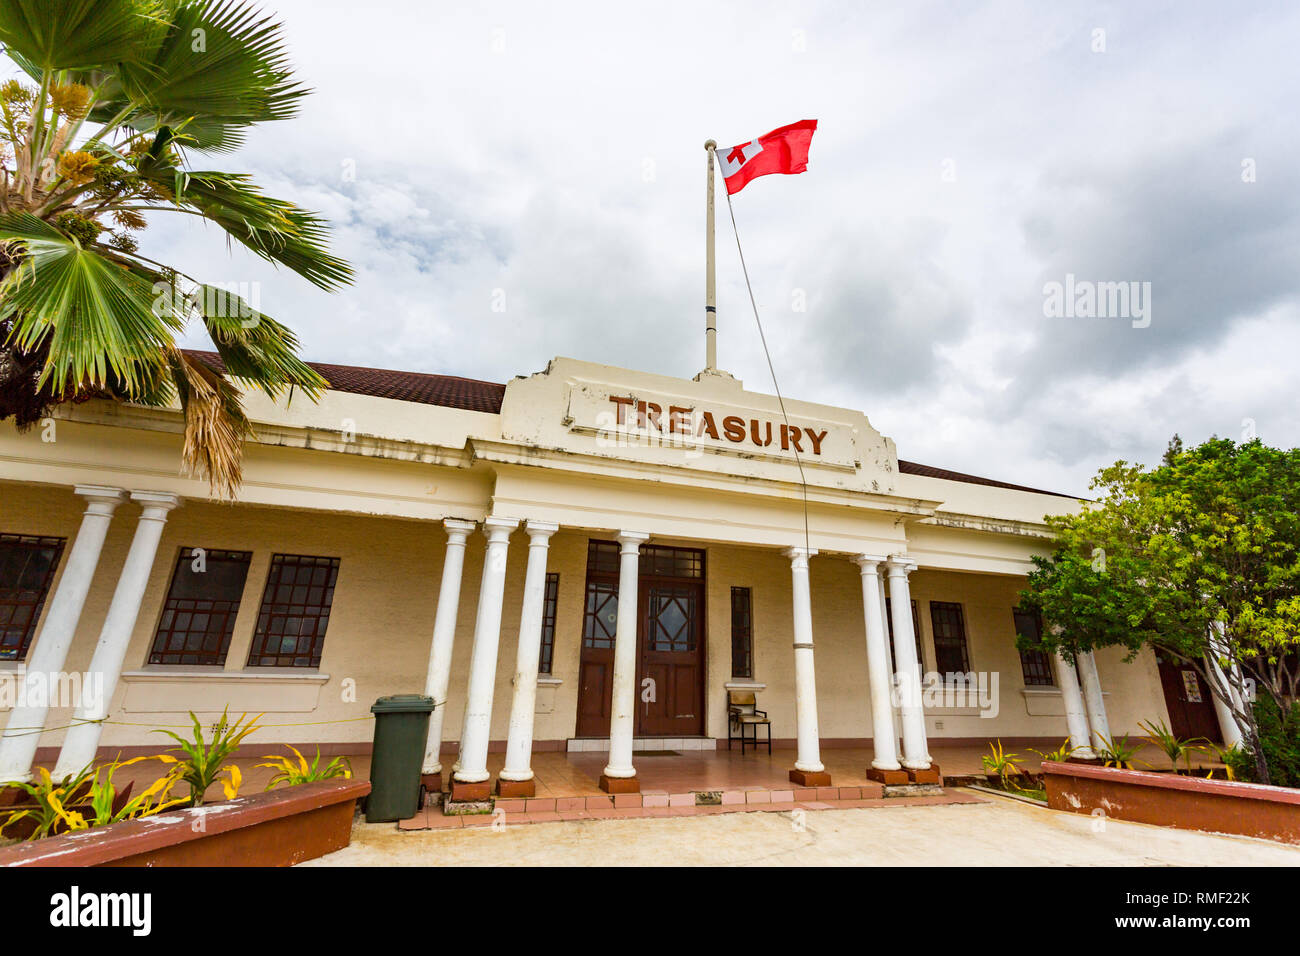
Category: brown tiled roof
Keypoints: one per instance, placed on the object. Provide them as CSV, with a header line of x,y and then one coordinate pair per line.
x,y
473,395
448,391
929,471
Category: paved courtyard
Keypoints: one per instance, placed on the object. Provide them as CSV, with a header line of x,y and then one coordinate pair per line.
x,y
998,832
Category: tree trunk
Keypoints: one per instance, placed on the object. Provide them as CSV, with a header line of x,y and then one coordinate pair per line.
x,y
1257,750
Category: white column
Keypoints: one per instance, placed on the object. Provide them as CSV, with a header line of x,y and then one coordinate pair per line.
x,y
82,741
885,744
916,752
889,658
1092,698
1076,718
1227,723
471,766
444,637
50,652
808,757
622,716
519,742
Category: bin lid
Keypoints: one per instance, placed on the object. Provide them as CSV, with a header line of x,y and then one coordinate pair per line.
x,y
403,704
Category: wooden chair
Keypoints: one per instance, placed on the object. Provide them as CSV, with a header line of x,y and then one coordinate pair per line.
x,y
742,712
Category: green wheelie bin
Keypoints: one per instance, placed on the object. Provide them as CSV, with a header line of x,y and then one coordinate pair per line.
x,y
401,727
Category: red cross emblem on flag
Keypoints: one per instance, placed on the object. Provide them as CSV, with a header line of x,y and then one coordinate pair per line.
x,y
783,150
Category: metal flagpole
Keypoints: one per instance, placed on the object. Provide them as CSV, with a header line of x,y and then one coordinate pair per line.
x,y
710,304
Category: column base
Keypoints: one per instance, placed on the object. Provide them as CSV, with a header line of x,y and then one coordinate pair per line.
x,y
432,782
928,775
516,788
890,778
620,784
808,778
462,792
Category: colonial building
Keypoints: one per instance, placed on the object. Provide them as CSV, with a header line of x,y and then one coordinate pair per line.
x,y
588,558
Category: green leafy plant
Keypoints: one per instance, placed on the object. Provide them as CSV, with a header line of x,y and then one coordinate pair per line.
x,y
291,774
1279,738
49,797
1197,559
1174,747
204,761
1231,758
1061,754
101,809
1117,752
104,129
998,763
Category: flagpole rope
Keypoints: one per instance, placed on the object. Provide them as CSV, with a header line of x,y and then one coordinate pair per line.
x,y
803,480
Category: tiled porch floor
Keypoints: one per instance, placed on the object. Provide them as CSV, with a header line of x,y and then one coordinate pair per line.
x,y
578,774
565,776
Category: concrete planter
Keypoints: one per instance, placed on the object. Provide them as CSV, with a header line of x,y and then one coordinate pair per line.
x,y
1167,799
278,828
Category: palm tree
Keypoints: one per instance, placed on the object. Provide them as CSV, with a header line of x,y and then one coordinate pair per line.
x,y
124,96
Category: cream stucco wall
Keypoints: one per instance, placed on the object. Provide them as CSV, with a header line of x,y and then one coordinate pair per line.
x,y
368,480
385,602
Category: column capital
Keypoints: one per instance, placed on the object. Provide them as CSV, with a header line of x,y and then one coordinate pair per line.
x,y
100,500
458,527
869,563
631,541
795,553
498,529
900,564
157,502
540,530
99,492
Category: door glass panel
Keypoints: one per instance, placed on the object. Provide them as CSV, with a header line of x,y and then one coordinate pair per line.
x,y
601,618
672,619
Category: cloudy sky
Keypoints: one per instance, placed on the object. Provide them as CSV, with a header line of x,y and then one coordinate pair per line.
x,y
549,156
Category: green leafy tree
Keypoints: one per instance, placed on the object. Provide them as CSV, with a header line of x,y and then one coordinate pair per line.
x,y
1198,558
126,98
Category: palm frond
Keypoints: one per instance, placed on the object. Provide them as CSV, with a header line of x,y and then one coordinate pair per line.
x,y
215,424
220,62
77,34
274,229
254,347
100,317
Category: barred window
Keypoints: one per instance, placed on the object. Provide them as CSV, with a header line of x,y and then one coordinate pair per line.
x,y
1034,664
202,602
742,634
950,656
549,603
27,567
295,612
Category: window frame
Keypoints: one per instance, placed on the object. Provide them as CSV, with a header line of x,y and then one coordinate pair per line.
x,y
550,606
32,542
743,632
257,647
964,638
1029,680
186,554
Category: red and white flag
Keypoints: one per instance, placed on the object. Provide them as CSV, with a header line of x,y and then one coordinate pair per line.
x,y
783,150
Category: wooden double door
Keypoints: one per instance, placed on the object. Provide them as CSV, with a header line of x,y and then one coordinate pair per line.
x,y
1191,706
669,642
